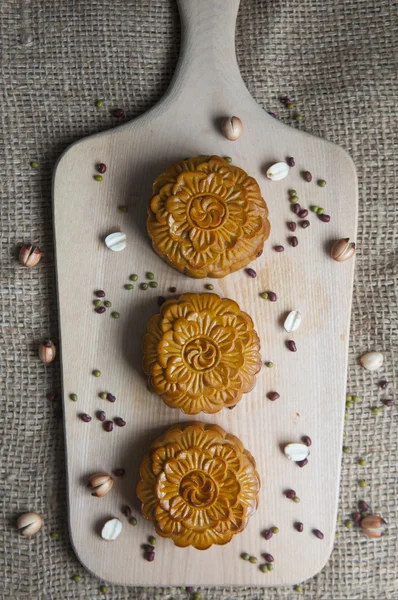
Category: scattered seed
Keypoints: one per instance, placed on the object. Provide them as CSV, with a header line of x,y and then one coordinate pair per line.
x,y
172,290
144,286
302,213
296,499
321,183
269,364
76,578
54,535
197,596
119,421
290,161
264,295
318,534
129,286
293,193
346,449
355,399
103,589
356,517
324,218
348,524
152,540
98,177
363,483
108,426
267,534
290,105
126,511
101,416
371,360
263,568
315,208
306,440
290,494
73,397
228,159
209,286
253,560
150,556
35,164
348,404
100,293
133,521
292,226
119,472
291,345
272,297
302,463
118,113
268,557
99,103
292,321
299,527
298,589
279,248
270,567
85,417
251,272
273,396
133,277
383,384
305,224
245,556
298,117
122,208
362,462
293,241
277,171
320,210
115,315
388,402
275,530
376,410
110,397
294,200
296,208
97,303
103,395
150,276
108,303
364,506
101,168
100,310
97,373
307,176
285,100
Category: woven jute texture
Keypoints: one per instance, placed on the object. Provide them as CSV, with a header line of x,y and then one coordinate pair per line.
x,y
338,60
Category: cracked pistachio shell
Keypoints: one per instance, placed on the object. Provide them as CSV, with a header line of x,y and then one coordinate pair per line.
x,y
116,241
29,523
278,171
342,250
371,361
292,321
374,526
296,451
111,530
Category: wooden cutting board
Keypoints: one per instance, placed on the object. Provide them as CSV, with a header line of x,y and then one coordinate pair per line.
x,y
311,382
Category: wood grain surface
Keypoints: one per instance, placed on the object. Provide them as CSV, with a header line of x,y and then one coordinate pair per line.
x,y
311,382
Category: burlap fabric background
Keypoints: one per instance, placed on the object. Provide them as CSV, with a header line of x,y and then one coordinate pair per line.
x,y
338,60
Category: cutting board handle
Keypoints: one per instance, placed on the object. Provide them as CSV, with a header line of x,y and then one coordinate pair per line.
x,y
207,57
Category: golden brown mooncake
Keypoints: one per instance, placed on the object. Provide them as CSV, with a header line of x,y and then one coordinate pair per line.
x,y
198,485
207,217
201,353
